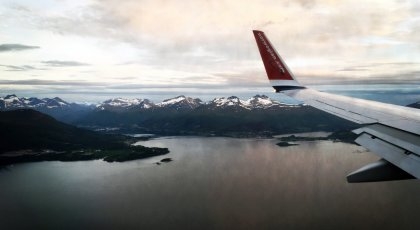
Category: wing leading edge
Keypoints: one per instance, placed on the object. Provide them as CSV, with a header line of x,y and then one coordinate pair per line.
x,y
390,131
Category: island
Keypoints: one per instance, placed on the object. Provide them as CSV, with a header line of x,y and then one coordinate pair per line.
x,y
285,144
338,136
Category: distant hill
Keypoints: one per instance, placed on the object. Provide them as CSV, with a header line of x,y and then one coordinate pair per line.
x,y
28,135
414,105
30,129
56,107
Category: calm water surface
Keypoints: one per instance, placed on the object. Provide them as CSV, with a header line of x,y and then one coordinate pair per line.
x,y
213,183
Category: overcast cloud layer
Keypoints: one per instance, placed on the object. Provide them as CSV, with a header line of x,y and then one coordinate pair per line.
x,y
84,45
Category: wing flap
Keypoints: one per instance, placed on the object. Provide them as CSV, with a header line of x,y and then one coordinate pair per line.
x,y
404,140
398,156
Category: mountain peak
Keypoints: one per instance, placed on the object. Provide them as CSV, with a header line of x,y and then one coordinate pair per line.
x,y
260,101
54,102
260,96
10,96
231,101
181,102
59,100
121,104
174,99
14,102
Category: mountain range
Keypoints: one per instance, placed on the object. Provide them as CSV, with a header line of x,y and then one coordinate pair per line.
x,y
34,126
73,112
225,116
187,103
55,107
181,115
181,102
10,102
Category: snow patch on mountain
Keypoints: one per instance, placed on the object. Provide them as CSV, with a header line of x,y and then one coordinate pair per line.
x,y
180,102
259,100
255,102
229,102
172,101
122,103
14,102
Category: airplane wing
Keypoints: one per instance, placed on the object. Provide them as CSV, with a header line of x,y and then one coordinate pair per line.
x,y
390,131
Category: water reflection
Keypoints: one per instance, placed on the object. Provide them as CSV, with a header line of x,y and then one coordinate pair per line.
x,y
221,183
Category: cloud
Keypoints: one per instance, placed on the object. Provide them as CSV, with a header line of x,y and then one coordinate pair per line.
x,y
403,78
304,27
211,43
56,63
31,82
18,68
125,86
351,69
16,47
21,67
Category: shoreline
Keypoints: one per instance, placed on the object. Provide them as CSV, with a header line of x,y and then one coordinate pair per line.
x,y
137,151
109,155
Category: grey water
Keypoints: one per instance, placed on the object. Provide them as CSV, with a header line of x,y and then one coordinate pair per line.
x,y
212,183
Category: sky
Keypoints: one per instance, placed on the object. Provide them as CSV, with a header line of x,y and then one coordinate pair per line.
x,y
91,50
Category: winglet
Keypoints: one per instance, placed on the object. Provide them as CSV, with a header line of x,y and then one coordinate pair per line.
x,y
281,78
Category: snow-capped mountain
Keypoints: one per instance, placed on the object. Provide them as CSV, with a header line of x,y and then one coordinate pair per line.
x,y
255,102
223,102
13,102
180,102
121,104
261,101
55,107
188,103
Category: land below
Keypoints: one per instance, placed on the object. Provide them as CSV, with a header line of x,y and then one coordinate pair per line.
x,y
29,136
51,129
338,136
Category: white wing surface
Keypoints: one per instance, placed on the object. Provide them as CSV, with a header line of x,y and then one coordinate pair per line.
x,y
390,131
